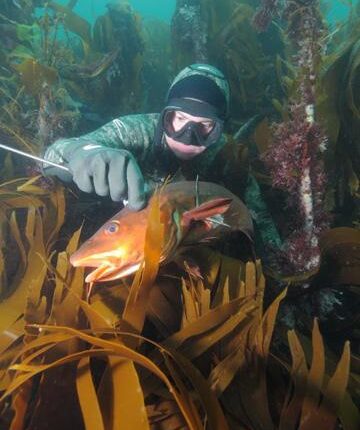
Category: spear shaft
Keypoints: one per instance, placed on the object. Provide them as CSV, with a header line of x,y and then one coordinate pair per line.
x,y
33,157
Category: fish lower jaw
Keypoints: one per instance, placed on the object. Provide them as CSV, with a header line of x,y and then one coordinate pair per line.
x,y
109,273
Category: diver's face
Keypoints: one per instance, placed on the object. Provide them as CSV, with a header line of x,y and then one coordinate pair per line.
x,y
182,150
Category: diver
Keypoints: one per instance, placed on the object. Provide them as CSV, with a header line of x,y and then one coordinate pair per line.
x,y
127,156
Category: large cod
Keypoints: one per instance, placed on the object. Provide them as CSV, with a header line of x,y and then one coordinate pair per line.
x,y
192,212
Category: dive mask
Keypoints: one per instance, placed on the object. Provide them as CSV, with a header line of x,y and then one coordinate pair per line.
x,y
192,133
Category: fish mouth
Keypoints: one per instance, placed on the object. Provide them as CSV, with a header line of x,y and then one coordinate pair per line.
x,y
107,272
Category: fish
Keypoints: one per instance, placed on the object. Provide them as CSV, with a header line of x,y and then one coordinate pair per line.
x,y
191,212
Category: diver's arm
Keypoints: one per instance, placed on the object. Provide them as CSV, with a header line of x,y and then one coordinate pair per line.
x,y
133,133
105,161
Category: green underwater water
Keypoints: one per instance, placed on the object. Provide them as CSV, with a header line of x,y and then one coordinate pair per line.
x,y
91,9
335,11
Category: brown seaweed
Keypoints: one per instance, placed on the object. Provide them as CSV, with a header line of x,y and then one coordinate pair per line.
x,y
220,350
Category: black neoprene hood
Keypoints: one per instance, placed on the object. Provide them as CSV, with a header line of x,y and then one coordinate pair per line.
x,y
201,89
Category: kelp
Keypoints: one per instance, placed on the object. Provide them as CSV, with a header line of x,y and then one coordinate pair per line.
x,y
34,75
115,364
40,56
22,290
314,401
119,30
17,136
73,22
339,111
340,250
222,34
157,53
243,52
32,241
30,66
215,370
89,71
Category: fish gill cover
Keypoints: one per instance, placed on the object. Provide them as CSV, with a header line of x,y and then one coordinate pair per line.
x,y
206,340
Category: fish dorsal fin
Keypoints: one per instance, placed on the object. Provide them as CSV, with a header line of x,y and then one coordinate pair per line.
x,y
206,210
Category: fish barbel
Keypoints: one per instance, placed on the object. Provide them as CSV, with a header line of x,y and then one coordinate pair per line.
x,y
192,212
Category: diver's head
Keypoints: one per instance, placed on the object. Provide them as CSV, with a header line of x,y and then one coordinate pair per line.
x,y
197,105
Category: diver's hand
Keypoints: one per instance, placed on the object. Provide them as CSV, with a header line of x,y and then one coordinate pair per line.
x,y
109,171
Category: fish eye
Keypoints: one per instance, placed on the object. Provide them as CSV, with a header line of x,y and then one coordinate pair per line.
x,y
112,228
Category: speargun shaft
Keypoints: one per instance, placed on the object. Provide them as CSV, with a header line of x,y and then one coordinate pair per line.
x,y
33,157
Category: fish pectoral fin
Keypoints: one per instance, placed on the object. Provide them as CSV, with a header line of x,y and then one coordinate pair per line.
x,y
206,210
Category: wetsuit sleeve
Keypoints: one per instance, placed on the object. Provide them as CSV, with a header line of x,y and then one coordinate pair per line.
x,y
134,133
